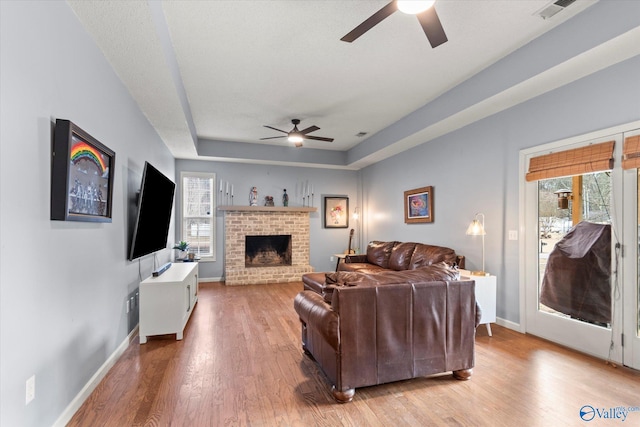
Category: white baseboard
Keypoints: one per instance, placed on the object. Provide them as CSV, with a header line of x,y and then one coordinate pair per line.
x,y
508,324
86,391
210,279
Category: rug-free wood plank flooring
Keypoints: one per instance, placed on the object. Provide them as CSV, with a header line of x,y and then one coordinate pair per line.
x,y
241,364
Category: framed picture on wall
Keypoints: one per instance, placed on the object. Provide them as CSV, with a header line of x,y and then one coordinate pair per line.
x,y
336,212
418,205
81,175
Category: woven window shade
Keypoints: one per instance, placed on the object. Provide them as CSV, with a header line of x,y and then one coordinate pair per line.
x,y
577,161
631,153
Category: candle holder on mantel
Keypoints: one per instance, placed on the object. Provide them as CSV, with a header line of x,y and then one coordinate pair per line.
x,y
226,193
306,192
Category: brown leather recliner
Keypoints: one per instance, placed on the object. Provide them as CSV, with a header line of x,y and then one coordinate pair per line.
x,y
375,332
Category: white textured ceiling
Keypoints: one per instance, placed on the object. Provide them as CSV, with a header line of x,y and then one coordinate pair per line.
x,y
220,70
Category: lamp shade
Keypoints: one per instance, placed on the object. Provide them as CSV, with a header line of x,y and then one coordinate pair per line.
x,y
476,228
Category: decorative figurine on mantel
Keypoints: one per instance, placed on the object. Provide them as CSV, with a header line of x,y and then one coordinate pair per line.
x,y
253,196
268,200
285,198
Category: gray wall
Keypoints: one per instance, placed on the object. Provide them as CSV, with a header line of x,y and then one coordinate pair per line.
x,y
63,285
271,180
475,169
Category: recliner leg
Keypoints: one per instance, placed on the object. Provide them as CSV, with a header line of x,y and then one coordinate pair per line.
x,y
462,374
345,396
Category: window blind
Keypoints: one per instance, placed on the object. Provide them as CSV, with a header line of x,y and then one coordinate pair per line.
x,y
631,152
198,199
577,161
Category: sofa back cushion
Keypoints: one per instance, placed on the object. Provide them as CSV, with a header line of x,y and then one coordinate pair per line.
x,y
401,256
432,273
378,253
425,255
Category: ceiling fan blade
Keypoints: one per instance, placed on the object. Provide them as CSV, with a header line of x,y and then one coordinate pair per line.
x,y
318,138
432,27
272,137
279,130
370,22
309,130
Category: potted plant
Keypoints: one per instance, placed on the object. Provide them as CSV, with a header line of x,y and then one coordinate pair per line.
x,y
183,247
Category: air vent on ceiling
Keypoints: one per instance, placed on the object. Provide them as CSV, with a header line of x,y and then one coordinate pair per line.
x,y
552,8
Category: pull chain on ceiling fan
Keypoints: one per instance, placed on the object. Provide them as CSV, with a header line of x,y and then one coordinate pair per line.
x,y
296,136
424,10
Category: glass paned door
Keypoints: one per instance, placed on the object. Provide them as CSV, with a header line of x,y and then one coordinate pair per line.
x,y
631,266
570,235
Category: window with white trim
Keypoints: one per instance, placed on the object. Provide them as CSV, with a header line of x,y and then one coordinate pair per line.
x,y
197,213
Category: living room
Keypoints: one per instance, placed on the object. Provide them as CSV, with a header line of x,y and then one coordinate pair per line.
x,y
65,320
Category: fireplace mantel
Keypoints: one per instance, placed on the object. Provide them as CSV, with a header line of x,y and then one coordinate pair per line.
x,y
267,208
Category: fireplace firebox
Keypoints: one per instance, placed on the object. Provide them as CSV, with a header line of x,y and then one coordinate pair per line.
x,y
267,251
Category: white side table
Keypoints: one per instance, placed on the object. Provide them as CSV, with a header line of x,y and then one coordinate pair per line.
x,y
485,296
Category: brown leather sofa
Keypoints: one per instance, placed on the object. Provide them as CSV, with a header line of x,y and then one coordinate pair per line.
x,y
400,256
366,329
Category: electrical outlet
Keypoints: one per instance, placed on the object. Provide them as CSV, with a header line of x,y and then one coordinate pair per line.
x,y
128,306
332,258
31,389
513,234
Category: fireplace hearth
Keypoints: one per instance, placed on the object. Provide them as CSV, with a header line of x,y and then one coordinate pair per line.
x,y
267,251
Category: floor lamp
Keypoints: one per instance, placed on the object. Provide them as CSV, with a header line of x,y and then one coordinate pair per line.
x,y
476,228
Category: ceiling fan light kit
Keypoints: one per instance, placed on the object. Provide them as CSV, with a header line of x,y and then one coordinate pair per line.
x,y
296,136
425,11
413,7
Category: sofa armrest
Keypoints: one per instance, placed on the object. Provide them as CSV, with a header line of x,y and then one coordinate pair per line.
x,y
316,314
356,258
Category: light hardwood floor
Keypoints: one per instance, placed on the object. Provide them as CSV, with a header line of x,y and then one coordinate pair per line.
x,y
241,363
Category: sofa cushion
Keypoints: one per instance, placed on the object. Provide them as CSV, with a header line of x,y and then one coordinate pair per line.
x,y
344,278
432,273
314,282
360,267
425,255
339,279
401,256
378,253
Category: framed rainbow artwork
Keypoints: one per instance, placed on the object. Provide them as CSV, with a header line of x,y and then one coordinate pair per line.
x,y
81,175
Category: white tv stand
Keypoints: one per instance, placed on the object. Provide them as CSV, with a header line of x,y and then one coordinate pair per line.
x,y
166,301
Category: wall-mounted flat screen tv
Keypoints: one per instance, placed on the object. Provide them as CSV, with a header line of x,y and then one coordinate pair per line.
x,y
155,203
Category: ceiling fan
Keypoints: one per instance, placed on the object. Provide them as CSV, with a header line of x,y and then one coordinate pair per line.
x,y
296,136
424,10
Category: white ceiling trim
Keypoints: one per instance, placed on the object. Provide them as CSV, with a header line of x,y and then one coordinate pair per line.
x,y
612,52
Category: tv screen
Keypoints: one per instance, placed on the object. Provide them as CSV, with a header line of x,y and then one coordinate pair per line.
x,y
153,217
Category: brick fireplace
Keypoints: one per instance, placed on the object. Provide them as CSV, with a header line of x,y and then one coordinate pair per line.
x,y
242,221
